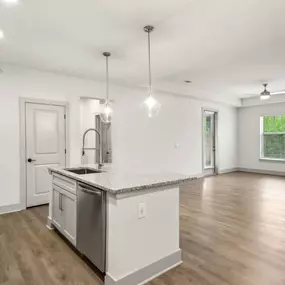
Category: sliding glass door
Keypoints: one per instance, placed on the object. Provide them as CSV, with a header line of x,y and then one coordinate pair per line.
x,y
209,141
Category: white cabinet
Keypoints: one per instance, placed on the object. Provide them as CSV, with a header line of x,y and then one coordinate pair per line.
x,y
57,215
64,212
69,216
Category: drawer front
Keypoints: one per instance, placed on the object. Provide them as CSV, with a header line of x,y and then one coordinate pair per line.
x,y
64,192
65,183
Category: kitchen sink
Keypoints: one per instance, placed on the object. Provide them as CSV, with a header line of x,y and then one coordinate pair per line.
x,y
82,171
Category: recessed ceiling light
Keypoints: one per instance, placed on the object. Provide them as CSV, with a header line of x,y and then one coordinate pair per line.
x,y
188,81
1,35
10,2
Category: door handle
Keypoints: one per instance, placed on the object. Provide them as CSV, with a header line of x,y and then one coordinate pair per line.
x,y
31,160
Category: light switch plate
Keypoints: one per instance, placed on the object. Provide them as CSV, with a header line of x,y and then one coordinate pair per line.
x,y
141,210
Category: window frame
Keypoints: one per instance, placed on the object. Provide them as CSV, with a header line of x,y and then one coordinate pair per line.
x,y
262,134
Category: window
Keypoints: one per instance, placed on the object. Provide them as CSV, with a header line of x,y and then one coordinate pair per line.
x,y
272,129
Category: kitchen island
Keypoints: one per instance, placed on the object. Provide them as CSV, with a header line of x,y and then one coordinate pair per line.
x,y
127,224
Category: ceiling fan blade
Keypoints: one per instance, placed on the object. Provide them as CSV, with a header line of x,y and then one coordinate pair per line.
x,y
278,92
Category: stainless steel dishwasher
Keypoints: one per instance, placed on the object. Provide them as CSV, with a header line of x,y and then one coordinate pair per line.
x,y
91,224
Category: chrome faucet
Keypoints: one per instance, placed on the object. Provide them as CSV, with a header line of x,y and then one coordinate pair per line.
x,y
100,164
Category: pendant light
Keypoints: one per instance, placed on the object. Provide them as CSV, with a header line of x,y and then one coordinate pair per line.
x,y
151,105
107,112
265,94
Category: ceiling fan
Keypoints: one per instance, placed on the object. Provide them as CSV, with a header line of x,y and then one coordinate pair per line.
x,y
265,94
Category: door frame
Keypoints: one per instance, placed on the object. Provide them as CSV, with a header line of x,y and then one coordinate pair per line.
x,y
23,167
216,154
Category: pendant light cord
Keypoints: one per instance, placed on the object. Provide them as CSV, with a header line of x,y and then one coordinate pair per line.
x,y
107,80
149,65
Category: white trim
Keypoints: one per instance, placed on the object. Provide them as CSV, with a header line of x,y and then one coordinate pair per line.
x,y
229,170
261,171
273,133
209,167
10,208
263,134
22,109
49,224
209,172
161,272
269,159
146,274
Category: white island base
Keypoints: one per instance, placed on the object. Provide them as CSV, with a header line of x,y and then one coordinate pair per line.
x,y
139,249
142,221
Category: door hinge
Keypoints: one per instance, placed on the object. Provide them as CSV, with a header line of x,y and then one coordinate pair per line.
x,y
65,151
64,116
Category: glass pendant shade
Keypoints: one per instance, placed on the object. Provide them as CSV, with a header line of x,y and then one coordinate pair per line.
x,y
107,113
151,105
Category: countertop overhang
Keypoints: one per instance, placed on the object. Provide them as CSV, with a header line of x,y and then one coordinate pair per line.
x,y
117,182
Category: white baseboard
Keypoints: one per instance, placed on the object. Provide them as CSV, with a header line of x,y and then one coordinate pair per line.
x,y
49,224
261,171
146,274
161,272
10,208
229,170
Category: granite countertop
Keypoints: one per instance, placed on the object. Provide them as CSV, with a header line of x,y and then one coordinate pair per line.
x,y
117,182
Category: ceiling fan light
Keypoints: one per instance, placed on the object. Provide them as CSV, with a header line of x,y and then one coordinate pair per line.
x,y
264,95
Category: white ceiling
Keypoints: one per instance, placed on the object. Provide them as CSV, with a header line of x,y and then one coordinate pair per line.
x,y
227,48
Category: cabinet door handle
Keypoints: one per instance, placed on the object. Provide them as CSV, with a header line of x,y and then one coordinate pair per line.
x,y
61,202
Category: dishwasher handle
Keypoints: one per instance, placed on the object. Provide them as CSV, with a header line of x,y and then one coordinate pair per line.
x,y
89,190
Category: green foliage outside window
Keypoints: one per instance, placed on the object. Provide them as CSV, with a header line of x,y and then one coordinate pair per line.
x,y
274,124
274,137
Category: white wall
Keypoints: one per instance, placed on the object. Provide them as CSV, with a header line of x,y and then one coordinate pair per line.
x,y
141,237
139,143
149,145
249,136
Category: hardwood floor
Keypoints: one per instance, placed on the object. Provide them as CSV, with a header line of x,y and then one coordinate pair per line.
x,y
232,233
30,254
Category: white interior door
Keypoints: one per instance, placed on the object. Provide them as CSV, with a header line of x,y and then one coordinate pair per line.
x,y
45,146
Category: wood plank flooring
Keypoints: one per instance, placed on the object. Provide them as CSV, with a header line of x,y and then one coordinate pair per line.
x,y
232,233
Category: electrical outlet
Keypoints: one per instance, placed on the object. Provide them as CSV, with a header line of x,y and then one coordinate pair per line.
x,y
141,210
